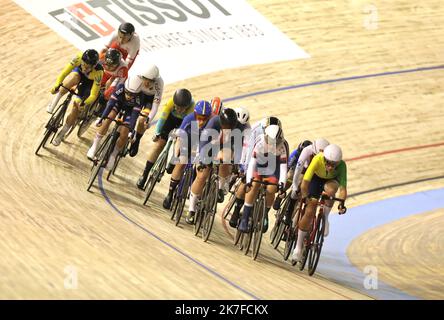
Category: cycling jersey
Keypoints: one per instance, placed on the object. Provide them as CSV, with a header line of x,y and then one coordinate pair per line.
x,y
189,133
302,163
317,167
155,89
169,110
129,50
95,75
268,161
119,75
118,102
249,141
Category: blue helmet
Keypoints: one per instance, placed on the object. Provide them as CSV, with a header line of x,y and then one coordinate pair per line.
x,y
203,108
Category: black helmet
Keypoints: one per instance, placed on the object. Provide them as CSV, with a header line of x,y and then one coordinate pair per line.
x,y
182,98
112,57
228,117
126,28
90,57
271,121
304,144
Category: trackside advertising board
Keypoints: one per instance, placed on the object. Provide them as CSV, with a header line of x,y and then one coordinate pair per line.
x,y
185,38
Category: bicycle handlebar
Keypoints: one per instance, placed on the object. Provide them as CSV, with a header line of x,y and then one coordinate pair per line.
x,y
68,89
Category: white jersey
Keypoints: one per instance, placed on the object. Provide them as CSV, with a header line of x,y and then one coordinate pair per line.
x,y
155,89
269,157
129,50
304,160
250,140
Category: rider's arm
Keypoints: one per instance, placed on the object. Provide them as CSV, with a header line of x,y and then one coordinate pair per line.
x,y
122,74
133,50
250,170
309,175
166,110
158,86
95,89
342,179
75,62
302,160
112,102
283,159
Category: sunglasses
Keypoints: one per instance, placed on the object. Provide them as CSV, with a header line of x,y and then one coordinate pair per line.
x,y
331,163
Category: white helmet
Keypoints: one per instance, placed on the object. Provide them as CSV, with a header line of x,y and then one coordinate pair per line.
x,y
133,84
333,153
151,71
320,145
242,115
273,133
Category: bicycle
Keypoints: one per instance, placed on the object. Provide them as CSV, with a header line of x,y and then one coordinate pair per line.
x,y
206,207
106,148
232,200
84,120
315,238
279,226
255,223
57,120
158,169
182,193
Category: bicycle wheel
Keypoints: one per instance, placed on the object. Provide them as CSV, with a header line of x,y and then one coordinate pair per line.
x,y
238,238
246,240
153,178
86,121
291,241
279,225
210,212
258,225
316,248
182,197
231,203
51,127
200,210
68,133
102,155
305,250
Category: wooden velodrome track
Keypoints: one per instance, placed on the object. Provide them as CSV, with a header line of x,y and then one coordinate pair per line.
x,y
49,223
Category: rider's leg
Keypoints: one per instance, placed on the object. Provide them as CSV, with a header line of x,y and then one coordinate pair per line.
x,y
250,197
330,187
120,144
174,182
239,203
269,199
70,81
101,132
196,192
140,130
156,149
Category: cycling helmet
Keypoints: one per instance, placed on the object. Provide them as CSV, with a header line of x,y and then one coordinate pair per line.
x,y
242,115
90,57
202,108
150,72
271,121
182,98
319,145
112,57
216,105
273,133
126,28
228,118
304,144
333,153
133,84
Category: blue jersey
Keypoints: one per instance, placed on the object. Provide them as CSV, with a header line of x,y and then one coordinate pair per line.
x,y
118,102
293,160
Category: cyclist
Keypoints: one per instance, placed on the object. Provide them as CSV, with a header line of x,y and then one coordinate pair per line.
x,y
222,125
247,149
127,98
268,163
127,41
327,172
152,90
85,72
173,112
115,71
185,147
302,163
